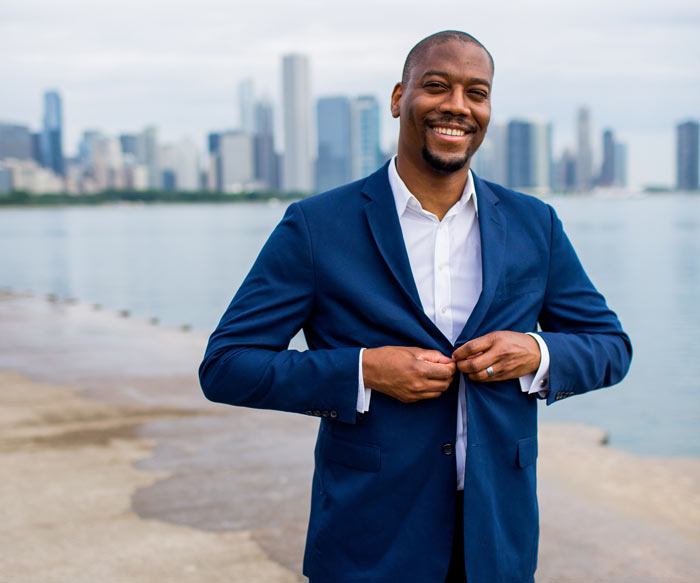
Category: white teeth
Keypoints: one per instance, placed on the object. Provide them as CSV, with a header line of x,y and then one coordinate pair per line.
x,y
449,131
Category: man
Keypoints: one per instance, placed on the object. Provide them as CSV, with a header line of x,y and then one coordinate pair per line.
x,y
419,290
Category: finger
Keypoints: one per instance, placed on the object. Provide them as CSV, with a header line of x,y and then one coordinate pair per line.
x,y
433,370
476,363
473,347
434,356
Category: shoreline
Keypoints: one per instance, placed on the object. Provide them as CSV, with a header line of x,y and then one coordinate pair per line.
x,y
121,470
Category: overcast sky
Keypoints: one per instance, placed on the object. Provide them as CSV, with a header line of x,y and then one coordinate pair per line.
x,y
123,65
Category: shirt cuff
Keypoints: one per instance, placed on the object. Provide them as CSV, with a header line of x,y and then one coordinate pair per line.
x,y
537,383
363,394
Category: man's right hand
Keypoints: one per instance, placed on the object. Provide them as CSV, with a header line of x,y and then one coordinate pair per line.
x,y
406,373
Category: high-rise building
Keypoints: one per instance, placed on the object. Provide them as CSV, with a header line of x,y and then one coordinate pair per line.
x,y
607,169
584,153
214,168
334,161
108,164
52,134
15,142
613,169
266,159
179,164
620,176
149,138
366,149
235,151
296,107
491,159
529,155
687,155
246,105
133,144
564,173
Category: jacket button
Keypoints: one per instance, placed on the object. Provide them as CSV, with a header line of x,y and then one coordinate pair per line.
x,y
317,413
448,448
334,414
325,413
308,412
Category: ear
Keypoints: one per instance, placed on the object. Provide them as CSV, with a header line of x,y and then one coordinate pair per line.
x,y
396,100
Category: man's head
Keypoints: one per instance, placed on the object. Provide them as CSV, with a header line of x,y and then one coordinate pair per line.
x,y
443,101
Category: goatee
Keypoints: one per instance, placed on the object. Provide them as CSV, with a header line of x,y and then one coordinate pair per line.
x,y
445,166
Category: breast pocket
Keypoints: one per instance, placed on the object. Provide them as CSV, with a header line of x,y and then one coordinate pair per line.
x,y
513,289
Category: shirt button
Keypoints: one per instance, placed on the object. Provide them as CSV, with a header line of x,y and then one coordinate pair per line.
x,y
447,449
444,309
543,383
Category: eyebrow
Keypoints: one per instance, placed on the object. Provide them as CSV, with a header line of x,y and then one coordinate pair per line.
x,y
475,80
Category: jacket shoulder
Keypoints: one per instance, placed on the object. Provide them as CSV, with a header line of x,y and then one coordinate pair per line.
x,y
517,202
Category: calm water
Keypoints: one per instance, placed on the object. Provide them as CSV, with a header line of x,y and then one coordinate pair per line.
x,y
182,264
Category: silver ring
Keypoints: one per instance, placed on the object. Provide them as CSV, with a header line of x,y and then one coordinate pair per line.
x,y
489,371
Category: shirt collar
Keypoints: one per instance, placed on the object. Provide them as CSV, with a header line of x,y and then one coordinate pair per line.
x,y
402,195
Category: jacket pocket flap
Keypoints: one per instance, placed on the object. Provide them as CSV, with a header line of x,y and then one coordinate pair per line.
x,y
527,451
362,456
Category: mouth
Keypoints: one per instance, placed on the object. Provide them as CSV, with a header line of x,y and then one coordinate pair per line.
x,y
450,130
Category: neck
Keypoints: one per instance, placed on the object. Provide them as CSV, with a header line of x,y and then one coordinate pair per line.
x,y
436,192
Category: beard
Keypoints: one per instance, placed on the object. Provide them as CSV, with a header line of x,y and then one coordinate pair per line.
x,y
445,166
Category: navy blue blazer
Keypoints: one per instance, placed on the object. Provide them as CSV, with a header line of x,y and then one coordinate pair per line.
x,y
383,492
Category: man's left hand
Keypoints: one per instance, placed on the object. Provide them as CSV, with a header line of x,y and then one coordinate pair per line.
x,y
509,354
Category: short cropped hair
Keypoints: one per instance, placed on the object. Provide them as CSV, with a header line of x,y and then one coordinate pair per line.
x,y
428,42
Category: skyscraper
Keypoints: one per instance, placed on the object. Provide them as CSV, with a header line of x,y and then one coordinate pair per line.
x,y
491,160
334,162
52,133
613,170
236,161
266,159
584,154
246,105
296,102
366,150
519,154
529,155
607,169
687,155
150,157
15,142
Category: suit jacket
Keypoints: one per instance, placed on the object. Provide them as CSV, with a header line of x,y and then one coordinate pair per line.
x,y
383,492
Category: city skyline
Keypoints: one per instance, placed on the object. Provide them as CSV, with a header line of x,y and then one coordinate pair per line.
x,y
119,73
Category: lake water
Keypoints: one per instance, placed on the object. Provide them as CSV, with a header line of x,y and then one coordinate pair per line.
x,y
182,263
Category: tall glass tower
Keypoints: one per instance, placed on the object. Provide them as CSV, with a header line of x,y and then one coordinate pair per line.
x,y
687,155
334,162
296,107
52,134
366,151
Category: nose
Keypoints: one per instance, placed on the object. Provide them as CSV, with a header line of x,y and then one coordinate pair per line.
x,y
455,102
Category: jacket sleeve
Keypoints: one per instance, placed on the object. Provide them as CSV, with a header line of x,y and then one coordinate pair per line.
x,y
588,348
247,361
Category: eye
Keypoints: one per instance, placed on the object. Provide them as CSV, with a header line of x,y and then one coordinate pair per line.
x,y
479,94
434,85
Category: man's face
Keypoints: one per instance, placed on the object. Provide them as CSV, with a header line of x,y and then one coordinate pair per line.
x,y
444,107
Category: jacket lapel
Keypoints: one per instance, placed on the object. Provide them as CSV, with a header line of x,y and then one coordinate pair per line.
x,y
492,225
386,231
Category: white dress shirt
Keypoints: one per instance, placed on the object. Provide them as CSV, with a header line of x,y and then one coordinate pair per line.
x,y
445,258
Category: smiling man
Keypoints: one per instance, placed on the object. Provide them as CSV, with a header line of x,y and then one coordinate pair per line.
x,y
420,290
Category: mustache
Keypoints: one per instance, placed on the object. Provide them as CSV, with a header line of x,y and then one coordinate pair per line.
x,y
452,120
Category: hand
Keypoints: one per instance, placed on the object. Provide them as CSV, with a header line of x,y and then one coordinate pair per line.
x,y
510,354
407,374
